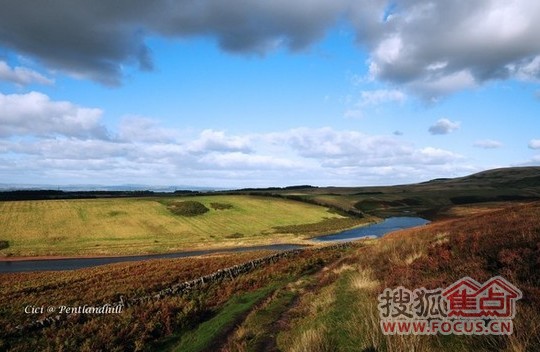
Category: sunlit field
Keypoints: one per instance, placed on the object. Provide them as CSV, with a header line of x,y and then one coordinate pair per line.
x,y
145,225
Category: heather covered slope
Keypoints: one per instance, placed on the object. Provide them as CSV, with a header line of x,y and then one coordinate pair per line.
x,y
337,310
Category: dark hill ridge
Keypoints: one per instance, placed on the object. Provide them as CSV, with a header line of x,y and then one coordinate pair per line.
x,y
429,199
513,176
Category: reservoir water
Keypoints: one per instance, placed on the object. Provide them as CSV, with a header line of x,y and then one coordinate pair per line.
x,y
79,263
375,230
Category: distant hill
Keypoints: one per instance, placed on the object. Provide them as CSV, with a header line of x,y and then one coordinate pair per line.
x,y
511,177
428,199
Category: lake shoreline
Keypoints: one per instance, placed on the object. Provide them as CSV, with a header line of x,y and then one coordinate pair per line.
x,y
52,263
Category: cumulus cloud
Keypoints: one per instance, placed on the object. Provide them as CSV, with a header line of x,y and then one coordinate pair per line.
x,y
95,39
243,161
488,144
431,48
328,143
218,158
22,76
380,96
218,141
36,114
534,144
435,48
374,98
72,149
345,149
443,126
143,129
435,156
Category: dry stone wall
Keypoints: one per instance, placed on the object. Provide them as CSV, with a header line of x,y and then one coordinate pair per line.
x,y
183,288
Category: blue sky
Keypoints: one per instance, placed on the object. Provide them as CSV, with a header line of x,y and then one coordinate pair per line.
x,y
266,93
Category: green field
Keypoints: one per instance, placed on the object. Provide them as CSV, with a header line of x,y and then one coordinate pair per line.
x,y
147,225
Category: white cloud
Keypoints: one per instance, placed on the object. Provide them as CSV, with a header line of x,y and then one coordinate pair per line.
x,y
142,129
217,158
434,156
534,144
388,51
210,140
488,144
527,70
434,87
22,76
443,126
436,48
376,97
71,148
242,161
36,114
344,149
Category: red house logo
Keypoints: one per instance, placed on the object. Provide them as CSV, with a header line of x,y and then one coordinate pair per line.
x,y
496,298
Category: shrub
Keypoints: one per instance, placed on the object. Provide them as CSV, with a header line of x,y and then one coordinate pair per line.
x,y
4,244
187,208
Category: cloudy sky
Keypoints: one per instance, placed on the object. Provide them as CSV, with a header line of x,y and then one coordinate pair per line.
x,y
246,93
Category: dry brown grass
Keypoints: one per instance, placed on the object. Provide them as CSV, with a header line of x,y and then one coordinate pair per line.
x,y
364,279
313,340
481,245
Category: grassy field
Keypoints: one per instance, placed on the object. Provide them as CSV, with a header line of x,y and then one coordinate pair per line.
x,y
145,225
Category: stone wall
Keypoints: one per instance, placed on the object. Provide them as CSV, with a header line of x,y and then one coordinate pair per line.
x,y
187,286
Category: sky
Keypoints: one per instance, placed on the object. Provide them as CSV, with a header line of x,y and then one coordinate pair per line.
x,y
259,93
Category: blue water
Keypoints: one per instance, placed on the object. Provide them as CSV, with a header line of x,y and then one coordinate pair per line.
x,y
79,263
375,230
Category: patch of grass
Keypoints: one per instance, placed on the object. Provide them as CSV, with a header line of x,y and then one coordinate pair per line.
x,y
372,204
187,208
83,215
235,235
206,334
257,332
220,206
322,227
116,213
